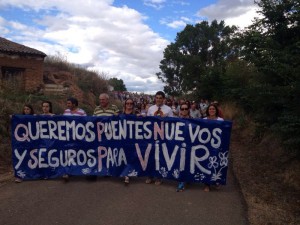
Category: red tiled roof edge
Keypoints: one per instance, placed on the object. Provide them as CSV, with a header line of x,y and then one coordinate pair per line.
x,y
7,46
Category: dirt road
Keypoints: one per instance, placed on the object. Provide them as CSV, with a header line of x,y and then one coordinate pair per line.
x,y
107,201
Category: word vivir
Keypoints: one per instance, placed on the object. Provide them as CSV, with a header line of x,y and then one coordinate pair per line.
x,y
172,148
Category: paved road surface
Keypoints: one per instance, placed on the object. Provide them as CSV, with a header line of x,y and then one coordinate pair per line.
x,y
108,202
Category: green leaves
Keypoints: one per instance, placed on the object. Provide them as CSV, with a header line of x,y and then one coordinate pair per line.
x,y
117,84
199,51
258,68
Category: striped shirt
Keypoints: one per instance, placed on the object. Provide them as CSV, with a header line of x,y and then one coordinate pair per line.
x,y
78,112
110,111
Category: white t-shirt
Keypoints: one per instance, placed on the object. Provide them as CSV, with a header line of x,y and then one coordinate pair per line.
x,y
203,106
218,118
167,111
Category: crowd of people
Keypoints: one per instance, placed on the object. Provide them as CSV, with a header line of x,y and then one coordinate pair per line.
x,y
139,105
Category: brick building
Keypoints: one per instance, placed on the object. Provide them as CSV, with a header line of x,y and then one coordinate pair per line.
x,y
21,66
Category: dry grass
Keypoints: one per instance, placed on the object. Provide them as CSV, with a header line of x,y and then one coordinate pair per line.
x,y
268,177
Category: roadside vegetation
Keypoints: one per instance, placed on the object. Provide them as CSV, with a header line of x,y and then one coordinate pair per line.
x,y
89,84
257,68
254,73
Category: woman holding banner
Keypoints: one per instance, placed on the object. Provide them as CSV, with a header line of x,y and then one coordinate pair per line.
x,y
184,112
212,113
128,109
27,110
47,108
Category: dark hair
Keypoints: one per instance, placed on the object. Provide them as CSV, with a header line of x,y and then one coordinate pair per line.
x,y
50,105
188,103
127,100
217,110
143,104
188,106
30,107
73,100
133,112
160,93
185,104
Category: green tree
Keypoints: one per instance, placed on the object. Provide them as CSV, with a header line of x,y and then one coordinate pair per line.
x,y
272,44
197,58
117,84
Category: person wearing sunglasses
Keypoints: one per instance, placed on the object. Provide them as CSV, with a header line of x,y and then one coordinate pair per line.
x,y
184,112
128,109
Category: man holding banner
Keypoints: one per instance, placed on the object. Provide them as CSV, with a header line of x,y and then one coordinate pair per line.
x,y
104,109
159,109
72,110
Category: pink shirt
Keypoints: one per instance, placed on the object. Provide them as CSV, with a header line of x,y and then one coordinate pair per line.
x,y
78,112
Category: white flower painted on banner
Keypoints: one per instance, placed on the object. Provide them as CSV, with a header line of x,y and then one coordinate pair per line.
x,y
199,176
163,172
176,173
213,162
133,173
86,171
223,158
216,176
21,174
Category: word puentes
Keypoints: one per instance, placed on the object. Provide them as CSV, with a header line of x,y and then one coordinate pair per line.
x,y
171,148
114,130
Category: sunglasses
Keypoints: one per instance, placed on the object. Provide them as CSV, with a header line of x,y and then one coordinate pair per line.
x,y
184,109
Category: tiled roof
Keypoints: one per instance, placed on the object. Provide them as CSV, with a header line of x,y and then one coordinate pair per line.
x,y
10,47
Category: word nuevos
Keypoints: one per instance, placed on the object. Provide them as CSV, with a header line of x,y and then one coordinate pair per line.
x,y
114,130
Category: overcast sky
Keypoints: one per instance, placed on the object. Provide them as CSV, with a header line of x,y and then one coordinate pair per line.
x,y
120,38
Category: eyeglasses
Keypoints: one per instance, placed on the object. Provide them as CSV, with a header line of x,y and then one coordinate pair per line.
x,y
129,103
184,109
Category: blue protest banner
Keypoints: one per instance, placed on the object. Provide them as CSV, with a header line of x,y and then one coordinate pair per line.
x,y
193,150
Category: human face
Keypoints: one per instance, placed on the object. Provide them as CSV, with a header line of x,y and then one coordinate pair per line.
x,y
103,101
212,111
169,103
159,100
27,110
46,108
129,104
70,105
184,110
